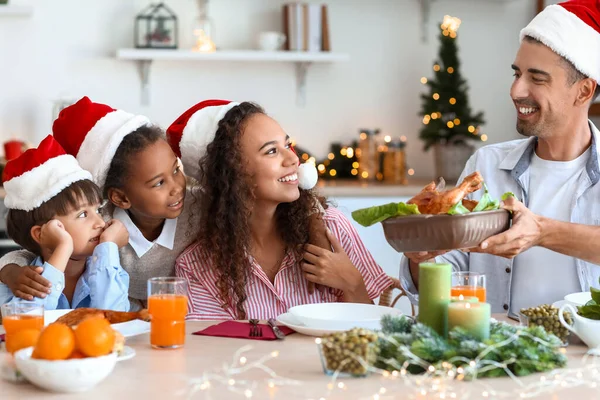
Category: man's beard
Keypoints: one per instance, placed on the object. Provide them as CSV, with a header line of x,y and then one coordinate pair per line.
x,y
528,129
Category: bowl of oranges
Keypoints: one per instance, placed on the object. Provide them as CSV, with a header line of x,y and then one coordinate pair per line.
x,y
65,359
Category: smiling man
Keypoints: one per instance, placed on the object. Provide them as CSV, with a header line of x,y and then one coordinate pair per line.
x,y
555,170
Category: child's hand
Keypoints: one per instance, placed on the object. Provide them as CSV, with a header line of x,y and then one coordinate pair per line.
x,y
53,235
115,232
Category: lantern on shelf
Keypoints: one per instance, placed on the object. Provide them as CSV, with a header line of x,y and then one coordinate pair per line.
x,y
156,28
203,31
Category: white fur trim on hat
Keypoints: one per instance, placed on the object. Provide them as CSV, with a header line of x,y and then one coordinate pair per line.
x,y
198,133
568,36
101,142
307,176
34,187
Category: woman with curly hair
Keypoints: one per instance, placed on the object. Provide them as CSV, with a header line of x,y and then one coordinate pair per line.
x,y
252,258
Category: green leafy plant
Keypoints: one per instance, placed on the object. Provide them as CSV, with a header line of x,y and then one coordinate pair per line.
x,y
591,309
522,351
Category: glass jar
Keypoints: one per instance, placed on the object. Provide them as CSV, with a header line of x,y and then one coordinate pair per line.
x,y
368,154
349,354
394,163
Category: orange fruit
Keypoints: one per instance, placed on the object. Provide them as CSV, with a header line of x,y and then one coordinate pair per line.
x,y
95,337
56,342
76,354
21,339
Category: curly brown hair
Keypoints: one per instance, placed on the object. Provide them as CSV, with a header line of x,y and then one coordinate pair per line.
x,y
227,205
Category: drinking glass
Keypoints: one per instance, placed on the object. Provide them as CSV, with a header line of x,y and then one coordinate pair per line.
x,y
20,316
469,284
167,306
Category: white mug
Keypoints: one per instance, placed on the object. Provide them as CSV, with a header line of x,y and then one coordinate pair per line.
x,y
271,41
587,329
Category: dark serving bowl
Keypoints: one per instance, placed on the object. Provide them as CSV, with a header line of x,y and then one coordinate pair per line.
x,y
444,232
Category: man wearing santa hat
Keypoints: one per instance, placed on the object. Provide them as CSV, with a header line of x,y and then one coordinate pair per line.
x,y
548,252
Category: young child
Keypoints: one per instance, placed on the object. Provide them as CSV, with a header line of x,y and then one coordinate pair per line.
x,y
139,174
53,211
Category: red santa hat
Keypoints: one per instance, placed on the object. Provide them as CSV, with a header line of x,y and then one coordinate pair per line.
x,y
92,132
572,30
196,128
39,174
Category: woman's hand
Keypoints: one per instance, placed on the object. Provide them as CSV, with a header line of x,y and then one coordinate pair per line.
x,y
334,269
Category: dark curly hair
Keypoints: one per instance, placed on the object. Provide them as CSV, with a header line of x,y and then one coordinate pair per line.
x,y
132,143
227,206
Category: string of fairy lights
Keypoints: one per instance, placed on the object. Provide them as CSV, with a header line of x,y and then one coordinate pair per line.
x,y
444,380
449,28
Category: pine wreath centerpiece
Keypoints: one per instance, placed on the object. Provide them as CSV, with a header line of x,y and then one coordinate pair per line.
x,y
408,347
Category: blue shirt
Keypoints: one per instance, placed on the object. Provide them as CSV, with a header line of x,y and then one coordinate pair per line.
x,y
104,283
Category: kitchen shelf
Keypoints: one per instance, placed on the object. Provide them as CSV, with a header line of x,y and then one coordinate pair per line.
x,y
302,60
9,10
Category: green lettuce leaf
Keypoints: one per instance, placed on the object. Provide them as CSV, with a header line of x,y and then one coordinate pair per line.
x,y
458,208
595,295
372,215
506,195
486,202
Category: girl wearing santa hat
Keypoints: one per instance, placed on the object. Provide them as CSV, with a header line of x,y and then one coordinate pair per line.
x,y
252,258
139,174
53,212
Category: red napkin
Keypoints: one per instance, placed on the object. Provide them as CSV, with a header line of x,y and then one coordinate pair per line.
x,y
241,330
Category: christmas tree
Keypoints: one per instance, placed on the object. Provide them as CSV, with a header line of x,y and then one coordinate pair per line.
x,y
447,117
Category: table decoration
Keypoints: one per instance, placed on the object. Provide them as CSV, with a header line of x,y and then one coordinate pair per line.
x,y
231,376
462,298
474,318
434,295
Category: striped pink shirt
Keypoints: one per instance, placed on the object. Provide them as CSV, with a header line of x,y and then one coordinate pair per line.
x,y
265,299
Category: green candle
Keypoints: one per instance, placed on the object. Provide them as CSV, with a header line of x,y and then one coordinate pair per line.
x,y
435,281
474,317
464,299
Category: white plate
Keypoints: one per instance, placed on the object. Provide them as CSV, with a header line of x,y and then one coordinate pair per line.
x,y
127,354
51,316
132,328
288,320
127,329
342,316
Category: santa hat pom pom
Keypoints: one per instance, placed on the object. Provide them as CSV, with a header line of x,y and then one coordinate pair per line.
x,y
307,176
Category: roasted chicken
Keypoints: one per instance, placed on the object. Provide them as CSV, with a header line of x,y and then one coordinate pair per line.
x,y
434,200
114,317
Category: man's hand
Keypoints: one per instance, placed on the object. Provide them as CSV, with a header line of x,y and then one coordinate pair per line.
x,y
25,282
115,232
525,232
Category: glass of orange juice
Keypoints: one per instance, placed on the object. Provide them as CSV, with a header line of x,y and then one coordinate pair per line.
x,y
469,284
167,306
21,315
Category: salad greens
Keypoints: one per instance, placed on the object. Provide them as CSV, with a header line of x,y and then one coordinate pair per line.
x,y
591,309
372,215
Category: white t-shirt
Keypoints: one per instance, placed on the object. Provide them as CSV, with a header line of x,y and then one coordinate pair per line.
x,y
542,276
